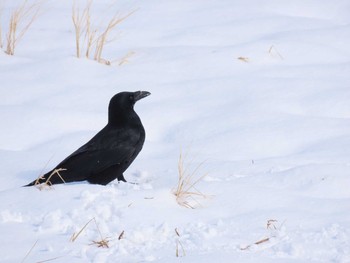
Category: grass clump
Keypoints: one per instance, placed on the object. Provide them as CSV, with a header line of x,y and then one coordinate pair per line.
x,y
90,40
103,242
186,191
21,19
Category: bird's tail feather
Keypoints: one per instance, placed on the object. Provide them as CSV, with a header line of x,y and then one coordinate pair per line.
x,y
30,184
40,180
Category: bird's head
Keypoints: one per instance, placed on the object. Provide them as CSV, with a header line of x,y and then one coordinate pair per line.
x,y
122,104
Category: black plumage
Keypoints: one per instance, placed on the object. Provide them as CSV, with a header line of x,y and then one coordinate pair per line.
x,y
110,152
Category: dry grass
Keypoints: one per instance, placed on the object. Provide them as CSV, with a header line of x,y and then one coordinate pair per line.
x,y
121,236
30,250
76,235
270,225
78,22
94,39
244,59
22,17
125,59
180,250
50,259
259,242
47,183
274,52
186,191
103,242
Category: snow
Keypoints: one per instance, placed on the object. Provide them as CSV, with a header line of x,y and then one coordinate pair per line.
x,y
273,132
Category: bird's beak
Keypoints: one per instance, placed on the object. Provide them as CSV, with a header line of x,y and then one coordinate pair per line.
x,y
140,95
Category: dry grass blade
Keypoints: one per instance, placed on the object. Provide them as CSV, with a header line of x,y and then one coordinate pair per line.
x,y
77,26
121,236
273,51
125,59
186,189
30,250
244,59
90,34
50,259
261,241
179,245
103,38
271,224
177,232
56,171
76,235
78,21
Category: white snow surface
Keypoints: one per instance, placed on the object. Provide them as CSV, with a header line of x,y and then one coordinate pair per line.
x,y
273,132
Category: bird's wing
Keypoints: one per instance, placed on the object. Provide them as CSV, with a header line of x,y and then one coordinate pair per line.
x,y
107,148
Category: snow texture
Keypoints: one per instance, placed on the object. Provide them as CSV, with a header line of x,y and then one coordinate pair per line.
x,y
258,90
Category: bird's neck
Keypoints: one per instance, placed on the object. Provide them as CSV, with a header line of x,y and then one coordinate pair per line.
x,y
123,118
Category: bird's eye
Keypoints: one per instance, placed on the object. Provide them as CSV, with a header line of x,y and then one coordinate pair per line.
x,y
131,97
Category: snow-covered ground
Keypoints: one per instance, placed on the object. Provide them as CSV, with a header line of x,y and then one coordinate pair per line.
x,y
257,89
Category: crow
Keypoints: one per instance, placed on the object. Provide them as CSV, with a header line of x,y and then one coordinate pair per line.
x,y
110,152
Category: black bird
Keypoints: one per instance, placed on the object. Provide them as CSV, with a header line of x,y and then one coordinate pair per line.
x,y
110,152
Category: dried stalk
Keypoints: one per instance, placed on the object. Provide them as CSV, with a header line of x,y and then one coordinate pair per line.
x,y
30,250
186,187
93,39
22,13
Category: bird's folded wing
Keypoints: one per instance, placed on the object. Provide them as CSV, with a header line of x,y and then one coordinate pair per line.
x,y
103,151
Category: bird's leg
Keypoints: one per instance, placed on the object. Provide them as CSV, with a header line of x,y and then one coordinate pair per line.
x,y
121,178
